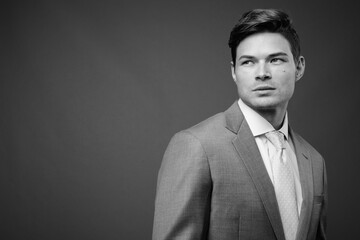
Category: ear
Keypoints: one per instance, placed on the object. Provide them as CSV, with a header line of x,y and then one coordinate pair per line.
x,y
233,70
300,68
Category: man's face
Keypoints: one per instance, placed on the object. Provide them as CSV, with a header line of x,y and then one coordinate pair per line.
x,y
265,72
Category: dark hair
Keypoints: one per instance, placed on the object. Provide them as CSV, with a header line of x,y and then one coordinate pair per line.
x,y
264,20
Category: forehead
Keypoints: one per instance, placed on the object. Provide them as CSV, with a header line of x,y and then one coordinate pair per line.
x,y
263,44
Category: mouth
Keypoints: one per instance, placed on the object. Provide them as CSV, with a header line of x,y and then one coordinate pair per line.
x,y
263,88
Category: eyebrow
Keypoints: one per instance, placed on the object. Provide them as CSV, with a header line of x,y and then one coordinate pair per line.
x,y
270,56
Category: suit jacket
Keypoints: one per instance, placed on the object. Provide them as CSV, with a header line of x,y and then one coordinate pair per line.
x,y
213,184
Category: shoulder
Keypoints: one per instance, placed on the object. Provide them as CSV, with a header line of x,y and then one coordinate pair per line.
x,y
209,125
188,149
209,132
212,133
209,129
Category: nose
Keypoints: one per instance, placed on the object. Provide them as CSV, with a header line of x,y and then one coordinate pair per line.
x,y
263,72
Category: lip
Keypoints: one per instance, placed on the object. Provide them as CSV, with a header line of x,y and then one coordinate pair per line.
x,y
263,88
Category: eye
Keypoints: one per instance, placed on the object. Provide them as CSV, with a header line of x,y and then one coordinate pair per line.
x,y
277,60
247,62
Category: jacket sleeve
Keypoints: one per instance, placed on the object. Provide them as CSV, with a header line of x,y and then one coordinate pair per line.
x,y
321,231
182,203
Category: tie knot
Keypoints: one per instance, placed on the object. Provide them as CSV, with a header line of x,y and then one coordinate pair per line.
x,y
276,138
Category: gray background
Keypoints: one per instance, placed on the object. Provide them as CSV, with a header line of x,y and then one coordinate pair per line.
x,y
92,91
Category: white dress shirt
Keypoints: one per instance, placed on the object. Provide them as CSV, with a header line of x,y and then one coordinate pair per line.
x,y
259,126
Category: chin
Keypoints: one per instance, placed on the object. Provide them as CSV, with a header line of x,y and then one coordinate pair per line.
x,y
265,104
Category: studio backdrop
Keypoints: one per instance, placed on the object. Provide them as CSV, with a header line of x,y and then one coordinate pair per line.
x,y
92,91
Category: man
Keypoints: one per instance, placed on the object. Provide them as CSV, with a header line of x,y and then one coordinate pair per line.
x,y
244,173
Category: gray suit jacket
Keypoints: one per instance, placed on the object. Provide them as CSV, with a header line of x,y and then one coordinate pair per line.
x,y
213,184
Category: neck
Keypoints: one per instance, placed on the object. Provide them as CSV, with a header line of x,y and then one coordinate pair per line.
x,y
274,116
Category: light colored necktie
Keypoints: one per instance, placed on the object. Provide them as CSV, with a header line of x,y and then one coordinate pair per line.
x,y
284,184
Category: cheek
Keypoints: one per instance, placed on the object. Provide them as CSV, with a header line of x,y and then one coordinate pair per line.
x,y
243,72
285,74
243,77
286,78
285,71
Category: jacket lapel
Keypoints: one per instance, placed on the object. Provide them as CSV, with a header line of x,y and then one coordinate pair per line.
x,y
249,154
306,180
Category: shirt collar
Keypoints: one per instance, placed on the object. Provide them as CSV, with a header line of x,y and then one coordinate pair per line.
x,y
259,125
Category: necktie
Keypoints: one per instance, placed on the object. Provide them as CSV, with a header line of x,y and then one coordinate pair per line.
x,y
284,185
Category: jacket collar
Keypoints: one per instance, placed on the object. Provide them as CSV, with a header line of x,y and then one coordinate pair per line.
x,y
249,154
234,118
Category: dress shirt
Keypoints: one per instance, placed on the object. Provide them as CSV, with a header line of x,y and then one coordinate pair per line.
x,y
259,126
